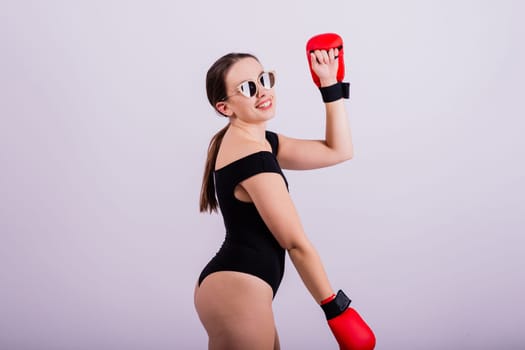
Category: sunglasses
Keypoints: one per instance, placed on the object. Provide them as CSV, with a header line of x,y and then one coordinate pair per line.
x,y
248,88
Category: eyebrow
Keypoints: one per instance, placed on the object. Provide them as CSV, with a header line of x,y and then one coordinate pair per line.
x,y
242,81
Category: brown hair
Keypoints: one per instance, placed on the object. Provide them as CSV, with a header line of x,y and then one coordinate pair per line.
x,y
216,91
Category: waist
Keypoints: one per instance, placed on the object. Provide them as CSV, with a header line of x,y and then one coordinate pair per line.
x,y
252,239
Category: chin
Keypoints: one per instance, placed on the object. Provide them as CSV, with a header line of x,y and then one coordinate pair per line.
x,y
269,116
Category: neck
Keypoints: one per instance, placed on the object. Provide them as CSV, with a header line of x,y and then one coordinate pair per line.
x,y
255,132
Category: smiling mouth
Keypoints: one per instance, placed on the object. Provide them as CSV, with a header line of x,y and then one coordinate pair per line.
x,y
265,104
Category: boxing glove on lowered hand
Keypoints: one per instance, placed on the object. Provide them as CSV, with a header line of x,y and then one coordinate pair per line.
x,y
349,329
326,42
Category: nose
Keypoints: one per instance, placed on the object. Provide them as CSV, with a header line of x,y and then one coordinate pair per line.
x,y
261,90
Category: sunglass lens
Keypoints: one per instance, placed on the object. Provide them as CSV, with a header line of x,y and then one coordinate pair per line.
x,y
267,80
248,89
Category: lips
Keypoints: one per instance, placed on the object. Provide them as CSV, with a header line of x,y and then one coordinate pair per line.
x,y
264,104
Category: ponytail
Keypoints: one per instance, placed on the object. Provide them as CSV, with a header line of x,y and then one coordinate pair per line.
x,y
208,199
216,92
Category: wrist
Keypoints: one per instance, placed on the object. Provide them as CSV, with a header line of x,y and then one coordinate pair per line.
x,y
335,92
328,299
327,82
336,306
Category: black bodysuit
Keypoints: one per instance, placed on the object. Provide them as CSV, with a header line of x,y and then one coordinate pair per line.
x,y
249,246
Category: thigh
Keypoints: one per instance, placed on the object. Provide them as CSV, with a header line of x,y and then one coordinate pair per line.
x,y
236,310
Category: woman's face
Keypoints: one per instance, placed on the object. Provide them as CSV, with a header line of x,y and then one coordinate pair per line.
x,y
258,108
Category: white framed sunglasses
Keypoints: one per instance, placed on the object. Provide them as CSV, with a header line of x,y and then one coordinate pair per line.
x,y
248,88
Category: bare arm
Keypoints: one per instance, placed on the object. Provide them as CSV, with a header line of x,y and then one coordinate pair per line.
x,y
270,196
337,147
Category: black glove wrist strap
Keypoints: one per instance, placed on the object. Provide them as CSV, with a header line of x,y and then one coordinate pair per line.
x,y
335,92
336,306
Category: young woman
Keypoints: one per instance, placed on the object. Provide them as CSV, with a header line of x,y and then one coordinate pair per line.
x,y
243,176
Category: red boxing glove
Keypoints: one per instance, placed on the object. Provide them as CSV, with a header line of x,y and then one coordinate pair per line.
x,y
326,42
349,329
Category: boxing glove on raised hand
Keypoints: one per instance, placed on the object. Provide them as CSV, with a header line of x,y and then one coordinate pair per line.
x,y
326,42
349,329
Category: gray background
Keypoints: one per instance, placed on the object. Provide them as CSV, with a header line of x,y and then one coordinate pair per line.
x,y
103,133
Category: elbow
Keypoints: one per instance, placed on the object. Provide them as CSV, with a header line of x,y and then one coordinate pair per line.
x,y
299,246
291,246
348,152
343,152
346,155
301,252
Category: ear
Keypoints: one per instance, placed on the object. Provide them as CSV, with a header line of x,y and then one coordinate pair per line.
x,y
224,109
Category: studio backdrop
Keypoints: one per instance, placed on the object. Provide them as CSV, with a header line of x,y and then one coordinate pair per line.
x,y
104,127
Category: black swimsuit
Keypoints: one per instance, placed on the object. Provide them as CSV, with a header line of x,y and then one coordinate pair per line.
x,y
249,246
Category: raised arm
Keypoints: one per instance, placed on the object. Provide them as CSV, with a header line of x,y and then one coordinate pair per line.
x,y
299,154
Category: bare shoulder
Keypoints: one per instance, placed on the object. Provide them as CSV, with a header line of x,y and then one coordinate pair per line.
x,y
234,148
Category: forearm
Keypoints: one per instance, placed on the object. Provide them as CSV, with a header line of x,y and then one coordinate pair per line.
x,y
338,134
310,268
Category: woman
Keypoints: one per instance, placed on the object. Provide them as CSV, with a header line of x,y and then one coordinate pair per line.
x,y
234,294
